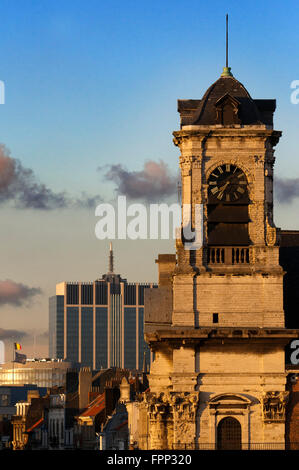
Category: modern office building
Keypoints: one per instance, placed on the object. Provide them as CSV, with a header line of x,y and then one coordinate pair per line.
x,y
40,372
99,324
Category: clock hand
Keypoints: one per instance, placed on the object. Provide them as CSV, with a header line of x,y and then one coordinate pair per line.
x,y
223,188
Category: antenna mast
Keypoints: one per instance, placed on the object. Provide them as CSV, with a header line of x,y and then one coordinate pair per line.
x,y
226,70
226,40
111,269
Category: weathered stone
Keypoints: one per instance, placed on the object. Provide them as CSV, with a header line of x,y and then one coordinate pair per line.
x,y
219,342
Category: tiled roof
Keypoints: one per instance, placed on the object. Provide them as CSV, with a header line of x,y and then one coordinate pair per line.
x,y
35,425
95,407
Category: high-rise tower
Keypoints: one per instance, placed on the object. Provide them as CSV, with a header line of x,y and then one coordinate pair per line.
x,y
99,324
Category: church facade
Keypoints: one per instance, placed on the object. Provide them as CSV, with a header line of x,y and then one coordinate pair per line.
x,y
216,322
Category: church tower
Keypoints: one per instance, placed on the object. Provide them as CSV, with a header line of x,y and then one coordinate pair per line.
x,y
216,324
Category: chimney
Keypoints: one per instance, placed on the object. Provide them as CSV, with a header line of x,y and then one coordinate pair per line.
x,y
85,381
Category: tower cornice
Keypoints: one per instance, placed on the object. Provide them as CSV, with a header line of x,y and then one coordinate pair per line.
x,y
202,134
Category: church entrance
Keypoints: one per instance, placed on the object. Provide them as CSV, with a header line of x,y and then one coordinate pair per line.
x,y
229,434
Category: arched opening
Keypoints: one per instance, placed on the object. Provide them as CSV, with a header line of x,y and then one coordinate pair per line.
x,y
228,207
229,435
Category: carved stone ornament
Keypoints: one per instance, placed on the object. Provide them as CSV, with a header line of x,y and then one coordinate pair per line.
x,y
274,405
177,405
271,234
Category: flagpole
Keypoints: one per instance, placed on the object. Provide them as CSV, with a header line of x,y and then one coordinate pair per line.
x,y
13,364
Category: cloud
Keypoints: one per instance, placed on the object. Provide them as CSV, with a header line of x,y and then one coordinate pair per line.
x,y
286,189
8,334
86,201
21,186
152,183
17,294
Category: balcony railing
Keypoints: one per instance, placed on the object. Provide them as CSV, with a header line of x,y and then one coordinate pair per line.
x,y
244,446
236,255
145,445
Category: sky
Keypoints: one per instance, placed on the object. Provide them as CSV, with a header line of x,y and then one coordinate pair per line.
x,y
91,91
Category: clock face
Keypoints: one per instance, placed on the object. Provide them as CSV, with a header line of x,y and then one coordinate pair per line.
x,y
227,183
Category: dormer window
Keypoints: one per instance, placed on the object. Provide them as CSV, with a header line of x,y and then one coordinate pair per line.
x,y
227,110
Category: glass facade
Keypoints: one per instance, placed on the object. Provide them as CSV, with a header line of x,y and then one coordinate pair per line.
x,y
87,294
130,337
115,331
56,326
86,336
52,326
72,334
101,337
101,293
43,374
107,315
130,294
72,294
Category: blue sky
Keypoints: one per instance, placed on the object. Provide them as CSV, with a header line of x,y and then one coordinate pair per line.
x,y
79,74
90,83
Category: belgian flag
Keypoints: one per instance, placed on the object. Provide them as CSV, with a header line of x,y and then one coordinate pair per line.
x,y
18,347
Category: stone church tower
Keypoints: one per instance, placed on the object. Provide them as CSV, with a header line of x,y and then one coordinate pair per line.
x,y
216,323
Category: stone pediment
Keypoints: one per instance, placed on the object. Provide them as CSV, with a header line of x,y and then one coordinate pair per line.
x,y
229,400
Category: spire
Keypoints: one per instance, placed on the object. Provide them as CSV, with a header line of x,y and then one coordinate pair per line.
x,y
111,269
226,70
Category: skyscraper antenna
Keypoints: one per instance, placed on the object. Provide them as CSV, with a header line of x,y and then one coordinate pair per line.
x,y
111,269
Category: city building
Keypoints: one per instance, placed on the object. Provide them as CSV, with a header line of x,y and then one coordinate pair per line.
x,y
99,324
103,424
219,378
41,372
29,418
292,412
10,397
68,417
289,260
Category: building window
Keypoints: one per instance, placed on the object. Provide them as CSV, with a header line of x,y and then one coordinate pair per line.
x,y
4,400
72,294
87,294
101,293
130,294
215,318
